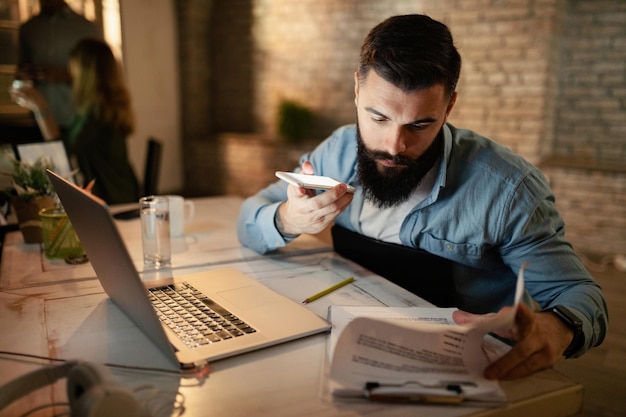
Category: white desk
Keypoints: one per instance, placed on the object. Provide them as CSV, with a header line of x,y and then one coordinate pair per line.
x,y
58,311
210,239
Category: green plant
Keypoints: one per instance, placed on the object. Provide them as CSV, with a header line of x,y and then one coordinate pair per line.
x,y
294,121
31,181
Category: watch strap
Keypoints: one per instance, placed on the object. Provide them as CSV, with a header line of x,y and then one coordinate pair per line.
x,y
572,321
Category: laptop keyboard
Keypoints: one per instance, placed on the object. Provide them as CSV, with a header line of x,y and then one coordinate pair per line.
x,y
196,319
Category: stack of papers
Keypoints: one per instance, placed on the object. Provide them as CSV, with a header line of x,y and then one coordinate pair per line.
x,y
416,354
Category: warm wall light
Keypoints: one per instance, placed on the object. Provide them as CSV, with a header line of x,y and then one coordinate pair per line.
x,y
84,7
112,27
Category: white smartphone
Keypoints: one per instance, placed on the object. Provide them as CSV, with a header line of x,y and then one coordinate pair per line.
x,y
315,182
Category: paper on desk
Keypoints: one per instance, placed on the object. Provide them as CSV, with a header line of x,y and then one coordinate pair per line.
x,y
415,349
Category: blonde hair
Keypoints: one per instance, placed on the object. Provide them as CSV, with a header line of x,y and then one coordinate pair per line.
x,y
99,85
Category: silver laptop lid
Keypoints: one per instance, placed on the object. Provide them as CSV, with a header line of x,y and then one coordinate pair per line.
x,y
110,259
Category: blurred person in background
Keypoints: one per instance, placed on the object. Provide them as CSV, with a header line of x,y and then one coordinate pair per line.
x,y
45,42
96,138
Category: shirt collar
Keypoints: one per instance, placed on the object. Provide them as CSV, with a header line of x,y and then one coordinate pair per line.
x,y
440,181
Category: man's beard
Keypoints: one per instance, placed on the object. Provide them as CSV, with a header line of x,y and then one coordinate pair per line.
x,y
394,185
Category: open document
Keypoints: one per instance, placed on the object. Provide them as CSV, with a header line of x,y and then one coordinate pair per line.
x,y
416,354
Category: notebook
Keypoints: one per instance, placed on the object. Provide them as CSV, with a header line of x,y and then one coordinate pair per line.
x,y
273,319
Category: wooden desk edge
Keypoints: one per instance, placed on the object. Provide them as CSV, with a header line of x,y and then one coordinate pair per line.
x,y
563,402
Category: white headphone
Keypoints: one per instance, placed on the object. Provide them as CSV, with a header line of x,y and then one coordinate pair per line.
x,y
90,390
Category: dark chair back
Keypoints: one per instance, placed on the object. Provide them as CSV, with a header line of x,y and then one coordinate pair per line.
x,y
424,274
152,167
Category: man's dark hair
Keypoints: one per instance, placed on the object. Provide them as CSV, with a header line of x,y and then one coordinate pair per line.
x,y
412,52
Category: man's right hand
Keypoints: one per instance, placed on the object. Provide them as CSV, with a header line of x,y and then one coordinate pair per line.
x,y
305,211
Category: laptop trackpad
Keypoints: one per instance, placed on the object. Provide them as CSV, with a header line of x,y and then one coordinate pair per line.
x,y
249,297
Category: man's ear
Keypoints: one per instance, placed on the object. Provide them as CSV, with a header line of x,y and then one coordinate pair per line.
x,y
451,103
356,87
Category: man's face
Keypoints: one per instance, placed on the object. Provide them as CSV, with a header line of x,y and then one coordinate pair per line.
x,y
398,134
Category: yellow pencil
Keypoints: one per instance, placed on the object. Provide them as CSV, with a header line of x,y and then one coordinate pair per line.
x,y
328,290
89,186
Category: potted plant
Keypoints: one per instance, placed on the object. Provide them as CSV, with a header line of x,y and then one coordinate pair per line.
x,y
31,192
294,121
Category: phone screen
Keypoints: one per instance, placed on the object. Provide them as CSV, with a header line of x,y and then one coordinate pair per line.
x,y
315,182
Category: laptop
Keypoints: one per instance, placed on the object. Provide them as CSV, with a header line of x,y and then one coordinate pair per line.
x,y
53,150
251,316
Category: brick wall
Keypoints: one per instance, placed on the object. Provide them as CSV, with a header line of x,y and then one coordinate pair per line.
x,y
593,205
586,163
307,51
543,77
591,109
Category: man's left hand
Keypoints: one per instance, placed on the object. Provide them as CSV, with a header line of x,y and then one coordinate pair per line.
x,y
540,340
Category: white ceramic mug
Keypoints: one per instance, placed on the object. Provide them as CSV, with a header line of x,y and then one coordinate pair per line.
x,y
181,212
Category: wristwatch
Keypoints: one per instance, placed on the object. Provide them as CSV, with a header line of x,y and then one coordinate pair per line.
x,y
574,323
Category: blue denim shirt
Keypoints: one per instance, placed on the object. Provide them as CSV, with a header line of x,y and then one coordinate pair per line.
x,y
489,211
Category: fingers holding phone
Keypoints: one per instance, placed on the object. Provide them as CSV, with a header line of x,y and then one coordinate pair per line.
x,y
312,182
307,169
306,211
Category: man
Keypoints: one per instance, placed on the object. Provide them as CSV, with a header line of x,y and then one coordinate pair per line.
x,y
45,42
423,183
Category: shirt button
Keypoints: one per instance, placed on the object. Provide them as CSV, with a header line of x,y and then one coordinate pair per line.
x,y
449,246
